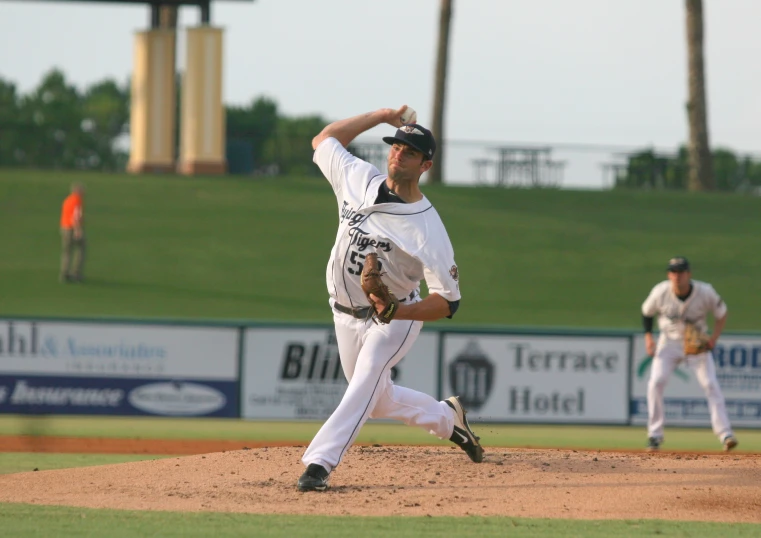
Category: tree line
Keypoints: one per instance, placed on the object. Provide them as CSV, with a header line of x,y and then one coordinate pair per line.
x,y
649,169
58,126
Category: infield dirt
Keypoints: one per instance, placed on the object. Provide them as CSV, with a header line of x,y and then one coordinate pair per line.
x,y
390,480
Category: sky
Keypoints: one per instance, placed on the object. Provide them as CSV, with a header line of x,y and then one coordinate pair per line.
x,y
579,75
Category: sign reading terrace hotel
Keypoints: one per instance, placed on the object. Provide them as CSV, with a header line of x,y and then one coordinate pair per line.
x,y
555,379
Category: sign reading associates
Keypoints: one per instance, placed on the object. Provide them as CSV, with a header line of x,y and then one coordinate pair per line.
x,y
117,369
117,350
555,379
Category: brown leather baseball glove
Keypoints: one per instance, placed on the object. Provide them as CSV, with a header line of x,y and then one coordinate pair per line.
x,y
371,282
695,341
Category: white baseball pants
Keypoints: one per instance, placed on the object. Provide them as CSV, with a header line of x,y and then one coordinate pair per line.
x,y
668,355
368,351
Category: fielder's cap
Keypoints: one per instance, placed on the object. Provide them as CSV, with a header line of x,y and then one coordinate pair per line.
x,y
416,136
679,263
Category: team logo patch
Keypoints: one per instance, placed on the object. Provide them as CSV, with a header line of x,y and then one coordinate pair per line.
x,y
454,273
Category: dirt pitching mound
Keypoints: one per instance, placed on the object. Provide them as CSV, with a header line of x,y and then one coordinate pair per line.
x,y
378,481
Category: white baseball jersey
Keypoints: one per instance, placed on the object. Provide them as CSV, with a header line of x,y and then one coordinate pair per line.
x,y
673,312
410,239
411,244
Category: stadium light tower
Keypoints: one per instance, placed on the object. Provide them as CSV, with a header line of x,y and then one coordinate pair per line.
x,y
153,93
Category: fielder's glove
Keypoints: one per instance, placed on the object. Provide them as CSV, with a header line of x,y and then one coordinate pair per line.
x,y
371,282
695,341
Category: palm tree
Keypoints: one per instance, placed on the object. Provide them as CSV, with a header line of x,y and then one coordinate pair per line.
x,y
435,175
701,165
168,19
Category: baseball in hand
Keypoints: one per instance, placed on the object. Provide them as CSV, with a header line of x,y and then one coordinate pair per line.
x,y
409,116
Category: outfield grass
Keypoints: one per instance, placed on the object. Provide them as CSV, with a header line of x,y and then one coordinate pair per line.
x,y
64,522
230,248
494,436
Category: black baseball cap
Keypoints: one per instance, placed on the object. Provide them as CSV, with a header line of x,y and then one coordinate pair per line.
x,y
678,264
415,136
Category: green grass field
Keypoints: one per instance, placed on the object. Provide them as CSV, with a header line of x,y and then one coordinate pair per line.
x,y
493,435
28,520
256,249
225,248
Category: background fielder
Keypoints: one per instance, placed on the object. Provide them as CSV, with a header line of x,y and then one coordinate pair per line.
x,y
387,215
677,301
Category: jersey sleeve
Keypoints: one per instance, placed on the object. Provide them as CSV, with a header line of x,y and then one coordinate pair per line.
x,y
716,303
440,270
340,166
444,283
650,306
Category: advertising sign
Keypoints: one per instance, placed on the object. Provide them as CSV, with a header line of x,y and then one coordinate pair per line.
x,y
117,396
738,370
540,379
296,373
118,369
118,350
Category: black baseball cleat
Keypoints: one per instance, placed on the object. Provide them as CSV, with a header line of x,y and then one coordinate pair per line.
x,y
654,444
315,478
462,435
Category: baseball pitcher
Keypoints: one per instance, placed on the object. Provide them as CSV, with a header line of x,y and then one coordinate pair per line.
x,y
389,238
682,305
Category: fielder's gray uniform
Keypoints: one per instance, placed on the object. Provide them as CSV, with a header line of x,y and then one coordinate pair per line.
x,y
669,353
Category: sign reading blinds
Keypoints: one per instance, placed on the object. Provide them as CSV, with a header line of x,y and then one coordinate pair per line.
x,y
737,360
296,373
555,379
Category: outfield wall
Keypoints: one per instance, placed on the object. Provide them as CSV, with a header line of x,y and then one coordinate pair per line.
x,y
264,371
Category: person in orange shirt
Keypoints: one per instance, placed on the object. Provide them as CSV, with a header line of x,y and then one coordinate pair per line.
x,y
73,235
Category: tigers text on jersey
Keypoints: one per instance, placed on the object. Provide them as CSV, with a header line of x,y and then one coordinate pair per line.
x,y
673,312
410,239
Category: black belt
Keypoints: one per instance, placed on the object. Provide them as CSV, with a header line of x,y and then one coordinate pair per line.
x,y
359,312
363,312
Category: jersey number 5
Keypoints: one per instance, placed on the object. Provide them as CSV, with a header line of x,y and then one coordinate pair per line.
x,y
356,263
